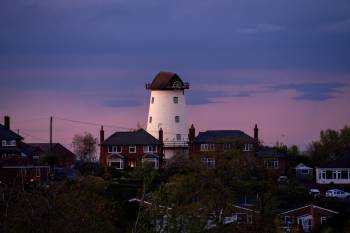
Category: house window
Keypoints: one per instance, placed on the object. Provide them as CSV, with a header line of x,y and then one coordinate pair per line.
x,y
249,219
227,147
116,163
329,174
323,174
271,163
177,119
248,147
323,220
150,149
8,142
208,162
152,161
175,100
150,119
132,149
178,137
304,171
207,147
115,149
288,220
152,100
132,164
37,172
344,174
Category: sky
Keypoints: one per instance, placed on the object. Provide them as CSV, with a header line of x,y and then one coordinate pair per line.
x,y
283,64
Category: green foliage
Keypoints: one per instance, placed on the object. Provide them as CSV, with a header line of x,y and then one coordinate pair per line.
x,y
331,145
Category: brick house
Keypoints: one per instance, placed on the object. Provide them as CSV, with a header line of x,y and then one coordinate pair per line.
x,y
128,150
211,142
19,161
306,218
64,158
272,160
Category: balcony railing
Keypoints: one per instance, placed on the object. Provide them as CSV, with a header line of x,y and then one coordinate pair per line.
x,y
185,85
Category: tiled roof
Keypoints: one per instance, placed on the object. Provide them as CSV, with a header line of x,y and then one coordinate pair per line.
x,y
8,134
164,81
217,135
268,152
139,137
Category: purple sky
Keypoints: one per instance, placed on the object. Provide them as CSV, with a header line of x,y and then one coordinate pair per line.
x,y
282,64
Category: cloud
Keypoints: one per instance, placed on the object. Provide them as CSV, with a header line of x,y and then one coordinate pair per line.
x,y
196,97
261,28
312,91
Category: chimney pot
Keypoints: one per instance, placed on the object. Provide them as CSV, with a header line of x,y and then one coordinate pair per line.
x,y
7,122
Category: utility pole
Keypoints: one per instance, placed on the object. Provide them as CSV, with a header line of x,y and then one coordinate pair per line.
x,y
50,134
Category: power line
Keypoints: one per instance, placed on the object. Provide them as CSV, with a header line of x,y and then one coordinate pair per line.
x,y
29,135
91,123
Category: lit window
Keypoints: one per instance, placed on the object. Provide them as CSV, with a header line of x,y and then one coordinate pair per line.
x,y
132,164
115,149
132,149
178,137
177,119
150,119
175,99
152,100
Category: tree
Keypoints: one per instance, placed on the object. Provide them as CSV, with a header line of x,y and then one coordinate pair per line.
x,y
84,146
331,145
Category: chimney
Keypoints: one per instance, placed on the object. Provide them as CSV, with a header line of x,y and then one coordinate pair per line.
x,y
102,134
256,133
191,133
7,122
160,135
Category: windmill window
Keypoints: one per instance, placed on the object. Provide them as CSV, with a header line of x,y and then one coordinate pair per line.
x,y
177,119
150,119
176,100
152,100
178,137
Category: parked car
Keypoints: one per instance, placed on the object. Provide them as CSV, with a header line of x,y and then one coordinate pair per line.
x,y
283,179
337,193
314,192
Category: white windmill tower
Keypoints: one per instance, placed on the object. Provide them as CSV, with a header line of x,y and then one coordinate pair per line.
x,y
167,111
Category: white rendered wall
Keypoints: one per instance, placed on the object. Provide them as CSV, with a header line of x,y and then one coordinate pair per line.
x,y
320,180
163,111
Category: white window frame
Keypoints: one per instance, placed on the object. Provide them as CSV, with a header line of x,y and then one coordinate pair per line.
x,y
150,149
272,163
6,143
248,147
208,162
323,220
152,160
121,163
207,147
37,172
114,149
132,147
